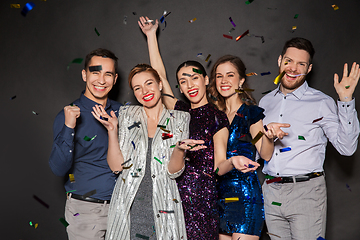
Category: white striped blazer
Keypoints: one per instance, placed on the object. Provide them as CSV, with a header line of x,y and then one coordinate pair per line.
x,y
133,140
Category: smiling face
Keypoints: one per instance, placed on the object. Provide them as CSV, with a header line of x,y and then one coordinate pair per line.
x,y
227,79
100,81
146,89
193,86
296,64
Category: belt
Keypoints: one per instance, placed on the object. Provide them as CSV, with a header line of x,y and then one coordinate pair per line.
x,y
88,199
298,178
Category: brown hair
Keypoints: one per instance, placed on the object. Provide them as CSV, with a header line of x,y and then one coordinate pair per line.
x,y
143,67
216,97
302,44
101,52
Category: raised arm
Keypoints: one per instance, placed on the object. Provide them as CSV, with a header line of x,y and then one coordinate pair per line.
x,y
149,29
114,154
346,87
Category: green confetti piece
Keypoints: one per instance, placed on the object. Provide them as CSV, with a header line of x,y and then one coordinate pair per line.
x,y
276,203
296,16
158,160
301,138
167,121
248,2
197,71
217,170
70,191
97,32
347,87
86,138
139,169
141,236
64,222
269,177
161,126
177,86
76,60
172,146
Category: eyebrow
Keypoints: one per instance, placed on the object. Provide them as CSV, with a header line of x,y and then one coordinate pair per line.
x,y
145,82
226,73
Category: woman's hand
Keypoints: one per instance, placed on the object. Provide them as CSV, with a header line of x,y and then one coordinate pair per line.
x,y
110,122
244,164
190,145
148,26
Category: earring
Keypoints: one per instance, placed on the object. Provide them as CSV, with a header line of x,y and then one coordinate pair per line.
x,y
160,89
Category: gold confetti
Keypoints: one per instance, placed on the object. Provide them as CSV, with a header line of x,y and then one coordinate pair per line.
x,y
294,28
232,199
14,5
192,20
278,78
71,177
257,137
251,74
335,7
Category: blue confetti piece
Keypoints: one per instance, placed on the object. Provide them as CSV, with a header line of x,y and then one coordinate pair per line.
x,y
133,144
286,149
320,238
28,7
265,73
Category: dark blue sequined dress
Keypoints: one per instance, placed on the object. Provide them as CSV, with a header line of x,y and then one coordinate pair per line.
x,y
246,215
197,184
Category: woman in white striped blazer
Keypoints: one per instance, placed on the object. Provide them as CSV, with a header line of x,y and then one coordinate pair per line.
x,y
167,131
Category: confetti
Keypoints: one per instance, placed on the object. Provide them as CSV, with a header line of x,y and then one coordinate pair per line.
x,y
197,71
141,236
35,113
86,138
136,124
33,225
240,115
172,146
348,187
320,238
273,180
166,211
134,174
257,137
285,149
76,214
248,2
64,222
265,73
335,7
175,200
88,194
41,201
97,32
123,180
167,136
95,68
161,126
232,199
347,87
232,29
157,160
251,74
28,7
232,22
125,20
13,97
186,74
14,5
279,77
71,177
294,28
242,35
296,16
316,120
265,127
227,36
276,203
192,20
217,170
132,142
301,138
207,58
244,90
76,60
134,13
266,92
128,167
273,234
70,191
125,162
191,147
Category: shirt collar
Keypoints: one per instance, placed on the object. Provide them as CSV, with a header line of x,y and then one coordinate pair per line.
x,y
88,104
298,93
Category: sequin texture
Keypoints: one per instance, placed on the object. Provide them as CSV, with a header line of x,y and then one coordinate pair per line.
x,y
246,215
197,185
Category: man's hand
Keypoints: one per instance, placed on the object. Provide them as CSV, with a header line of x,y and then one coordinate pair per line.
x,y
110,122
275,131
346,87
71,114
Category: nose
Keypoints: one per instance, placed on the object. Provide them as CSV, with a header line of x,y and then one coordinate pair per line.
x,y
292,66
101,79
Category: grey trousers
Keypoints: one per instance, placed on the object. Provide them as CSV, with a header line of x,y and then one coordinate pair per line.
x,y
302,214
87,220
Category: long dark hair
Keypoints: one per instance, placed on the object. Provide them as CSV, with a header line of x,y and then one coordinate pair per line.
x,y
216,97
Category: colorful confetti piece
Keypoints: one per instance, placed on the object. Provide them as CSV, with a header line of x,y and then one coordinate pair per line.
x,y
136,124
242,35
88,194
301,138
41,201
244,90
316,120
172,146
207,58
166,211
273,180
348,187
273,234
227,36
197,71
251,74
128,167
95,68
125,162
35,113
279,77
335,7
76,60
320,238
14,5
285,149
132,142
276,203
86,138
13,97
347,87
76,214
265,73
296,16
232,22
141,236
28,7
248,2
157,160
231,199
70,191
175,200
64,222
166,136
217,170
257,137
97,32
192,20
71,177
293,28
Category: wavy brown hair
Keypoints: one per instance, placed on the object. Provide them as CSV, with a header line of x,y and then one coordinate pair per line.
x,y
216,97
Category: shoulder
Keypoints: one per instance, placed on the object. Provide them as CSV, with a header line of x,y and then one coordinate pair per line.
x,y
182,106
214,110
179,114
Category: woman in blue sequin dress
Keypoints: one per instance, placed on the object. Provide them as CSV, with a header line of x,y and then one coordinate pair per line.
x,y
243,217
197,185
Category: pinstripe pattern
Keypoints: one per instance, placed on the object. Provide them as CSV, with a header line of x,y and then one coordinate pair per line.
x,y
167,226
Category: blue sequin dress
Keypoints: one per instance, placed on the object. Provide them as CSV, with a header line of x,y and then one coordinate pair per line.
x,y
197,184
246,215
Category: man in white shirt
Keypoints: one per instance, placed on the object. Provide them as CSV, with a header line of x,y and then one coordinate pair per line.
x,y
295,190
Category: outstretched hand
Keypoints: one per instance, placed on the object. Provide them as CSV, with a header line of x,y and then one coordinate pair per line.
x,y
346,87
244,164
110,122
190,144
274,130
148,26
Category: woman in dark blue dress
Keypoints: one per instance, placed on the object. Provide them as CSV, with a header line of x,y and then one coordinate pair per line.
x,y
240,197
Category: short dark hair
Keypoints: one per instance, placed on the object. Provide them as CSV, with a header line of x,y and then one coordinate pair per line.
x,y
193,64
101,52
300,43
143,67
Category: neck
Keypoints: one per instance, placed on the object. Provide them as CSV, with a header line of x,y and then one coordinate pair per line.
x,y
201,103
154,113
101,101
232,103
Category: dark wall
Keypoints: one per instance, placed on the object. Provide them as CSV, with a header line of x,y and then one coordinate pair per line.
x,y
36,50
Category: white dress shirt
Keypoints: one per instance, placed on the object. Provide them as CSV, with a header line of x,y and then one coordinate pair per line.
x,y
313,116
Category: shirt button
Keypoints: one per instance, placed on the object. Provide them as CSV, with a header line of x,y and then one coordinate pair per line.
x,y
280,115
153,176
70,150
285,97
72,134
277,174
348,105
343,105
276,154
349,122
